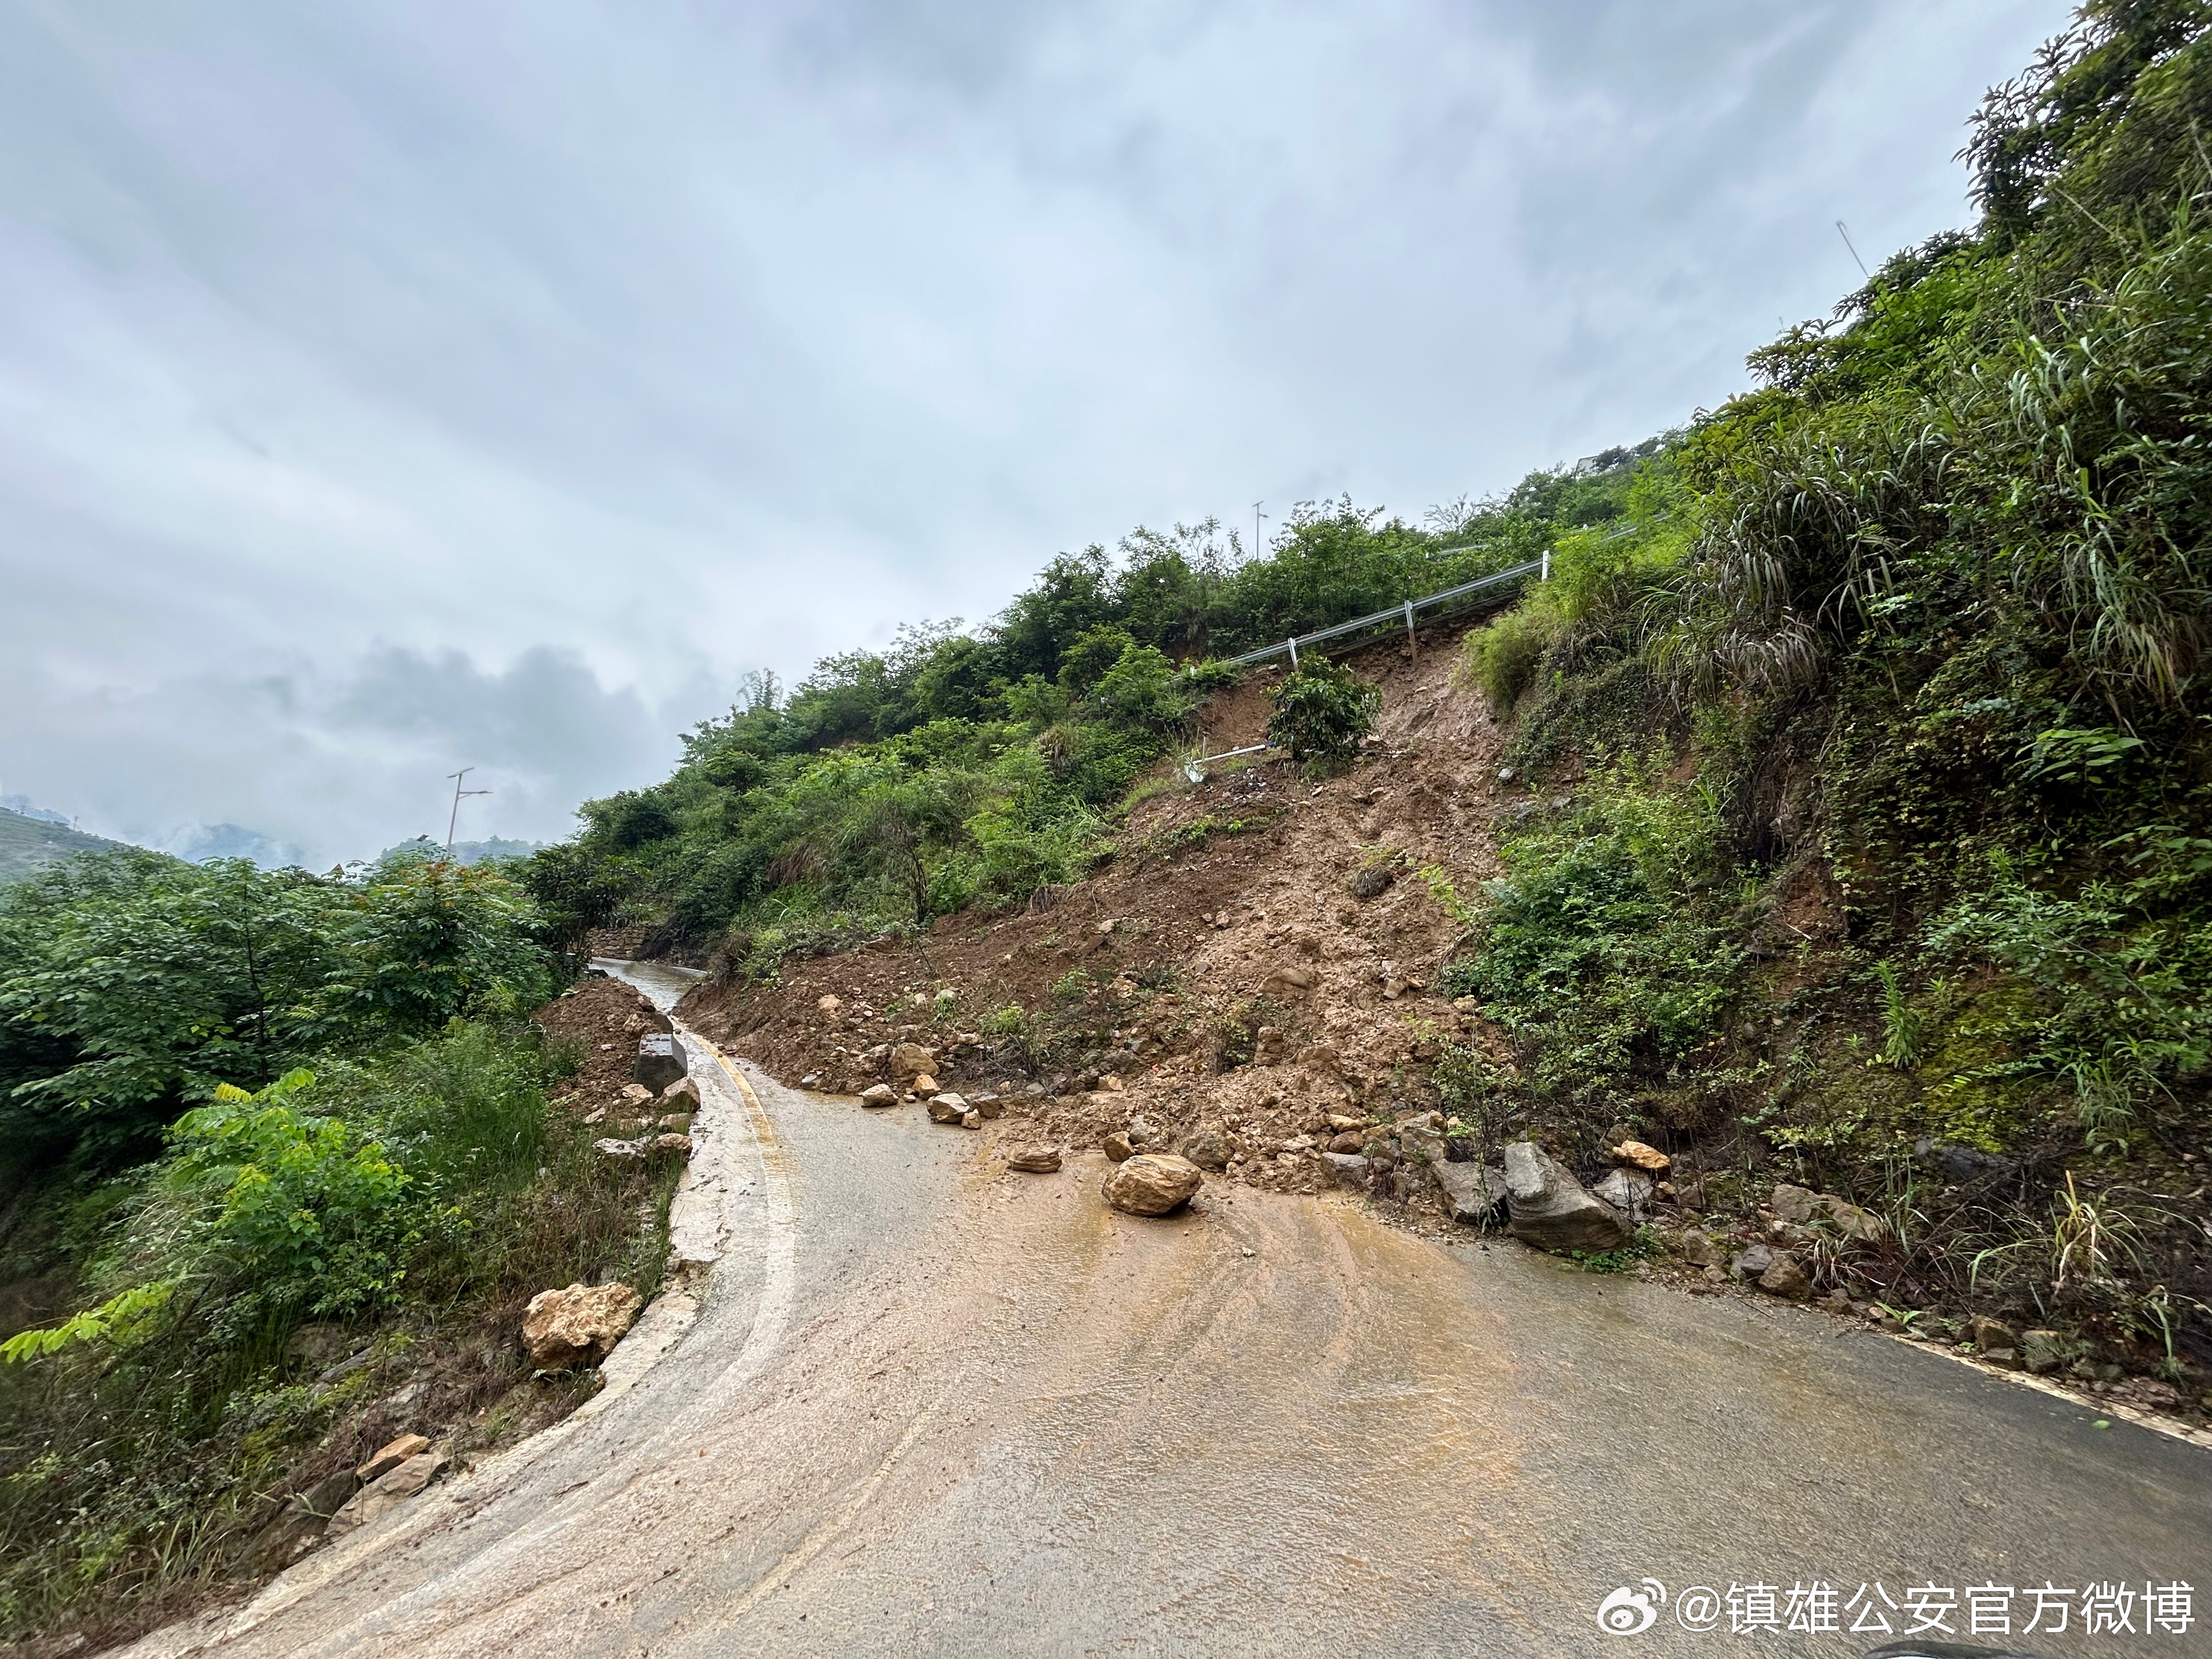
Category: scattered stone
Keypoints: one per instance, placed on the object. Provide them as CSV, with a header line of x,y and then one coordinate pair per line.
x,y
947,1109
1642,1157
1784,1278
1117,1145
391,1455
1699,1250
636,1094
619,1148
1321,1057
1338,1120
879,1094
1626,1190
989,1105
673,1143
1373,881
909,1060
1792,1204
811,1080
1288,979
1110,1083
1208,1149
1350,1141
676,1123
569,1328
1419,1144
1985,1334
2005,1359
659,1061
1472,1192
1035,1160
2042,1351
1345,1168
1960,1162
924,1085
1153,1183
1551,1210
380,1497
829,1005
1751,1263
681,1095
1860,1226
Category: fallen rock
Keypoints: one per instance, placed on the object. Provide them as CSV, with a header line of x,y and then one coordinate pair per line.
x,y
829,1005
1861,1226
1626,1190
659,1061
971,1118
1350,1141
1784,1278
636,1094
573,1327
391,1455
879,1094
382,1496
1472,1192
2042,1351
1035,1160
681,1095
2005,1359
1422,1146
990,1105
1792,1204
924,1085
1345,1168
1987,1334
1699,1250
1642,1157
1550,1208
680,1144
1288,979
1374,881
1117,1147
909,1060
676,1123
1153,1183
1208,1149
619,1148
1750,1263
947,1109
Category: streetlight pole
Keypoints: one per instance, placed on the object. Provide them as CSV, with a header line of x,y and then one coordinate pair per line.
x,y
453,822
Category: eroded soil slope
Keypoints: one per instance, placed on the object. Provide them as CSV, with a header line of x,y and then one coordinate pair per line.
x,y
1218,973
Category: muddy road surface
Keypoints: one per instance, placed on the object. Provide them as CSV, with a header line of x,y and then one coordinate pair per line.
x,y
928,1405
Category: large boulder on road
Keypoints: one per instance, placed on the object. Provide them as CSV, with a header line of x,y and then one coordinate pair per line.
x,y
1153,1183
659,1061
579,1325
1551,1209
879,1094
1472,1192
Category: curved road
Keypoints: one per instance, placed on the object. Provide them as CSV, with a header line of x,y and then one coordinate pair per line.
x,y
930,1406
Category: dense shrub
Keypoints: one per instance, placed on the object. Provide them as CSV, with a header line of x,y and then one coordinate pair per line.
x,y
1322,714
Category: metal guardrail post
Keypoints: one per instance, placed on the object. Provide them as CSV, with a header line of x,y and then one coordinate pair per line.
x,y
1294,653
1413,645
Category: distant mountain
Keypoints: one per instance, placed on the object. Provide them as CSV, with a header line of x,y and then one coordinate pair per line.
x,y
29,844
467,852
196,844
22,804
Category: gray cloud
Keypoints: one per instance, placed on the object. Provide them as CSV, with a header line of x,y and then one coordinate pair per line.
x,y
384,389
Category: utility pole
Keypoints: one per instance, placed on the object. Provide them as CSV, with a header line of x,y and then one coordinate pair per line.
x,y
453,822
1257,516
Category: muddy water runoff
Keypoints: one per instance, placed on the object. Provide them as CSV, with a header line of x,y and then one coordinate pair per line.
x,y
931,1406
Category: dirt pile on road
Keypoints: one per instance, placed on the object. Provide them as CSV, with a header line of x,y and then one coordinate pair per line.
x,y
1255,963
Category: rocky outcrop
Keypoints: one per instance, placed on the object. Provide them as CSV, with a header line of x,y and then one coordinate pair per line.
x,y
1549,1209
577,1326
1153,1183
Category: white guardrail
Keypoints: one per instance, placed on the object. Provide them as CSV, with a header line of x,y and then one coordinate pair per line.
x,y
1539,568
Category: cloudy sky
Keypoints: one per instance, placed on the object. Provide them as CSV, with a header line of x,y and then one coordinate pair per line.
x,y
386,388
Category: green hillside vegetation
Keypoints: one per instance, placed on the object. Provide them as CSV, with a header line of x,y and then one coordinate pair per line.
x,y
966,766
236,1101
1932,919
28,845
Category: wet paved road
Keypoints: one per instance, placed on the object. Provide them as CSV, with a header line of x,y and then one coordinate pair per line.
x,y
933,1407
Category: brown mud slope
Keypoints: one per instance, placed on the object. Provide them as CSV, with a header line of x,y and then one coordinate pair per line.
x,y
1219,974
600,1022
